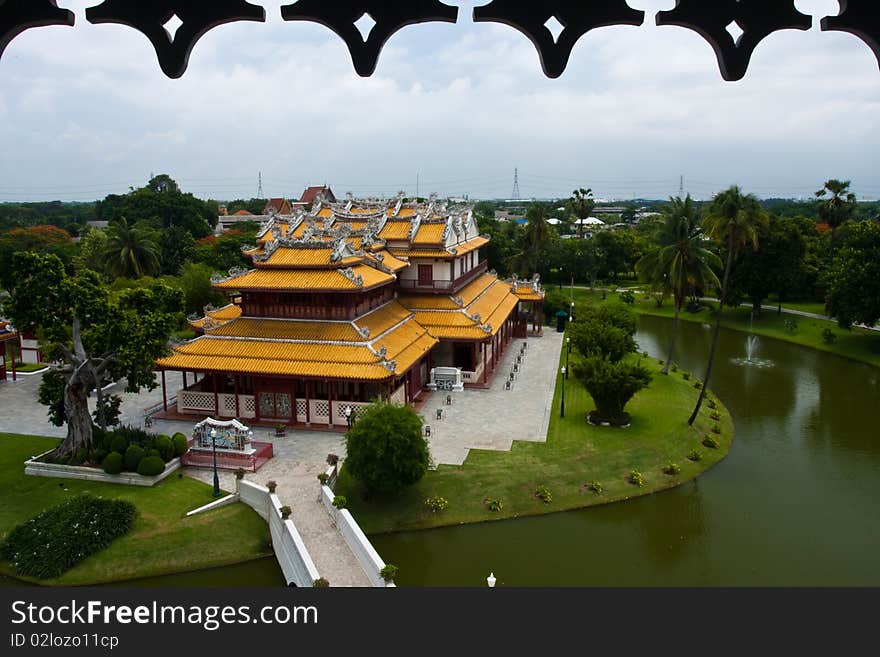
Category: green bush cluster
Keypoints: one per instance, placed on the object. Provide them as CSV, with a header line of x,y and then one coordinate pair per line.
x,y
388,573
495,504
636,478
437,503
340,502
694,456
181,444
136,450
150,466
60,537
672,469
596,487
543,493
711,442
112,463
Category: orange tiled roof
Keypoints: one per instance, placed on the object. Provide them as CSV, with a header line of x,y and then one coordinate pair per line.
x,y
282,329
389,261
291,258
382,319
304,279
217,317
453,252
430,235
404,345
396,230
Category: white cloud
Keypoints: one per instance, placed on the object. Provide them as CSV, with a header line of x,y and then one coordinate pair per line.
x,y
461,105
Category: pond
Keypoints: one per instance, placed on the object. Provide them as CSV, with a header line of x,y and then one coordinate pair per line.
x,y
794,503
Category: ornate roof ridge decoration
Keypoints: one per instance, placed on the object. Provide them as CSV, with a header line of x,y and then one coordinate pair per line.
x,y
235,272
16,16
341,16
266,227
348,272
197,18
342,249
857,17
247,248
757,19
415,224
577,18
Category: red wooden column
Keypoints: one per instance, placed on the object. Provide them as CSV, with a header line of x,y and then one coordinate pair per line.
x,y
308,403
330,401
216,397
164,395
12,356
237,407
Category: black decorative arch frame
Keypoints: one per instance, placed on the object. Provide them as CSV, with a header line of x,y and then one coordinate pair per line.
x,y
755,20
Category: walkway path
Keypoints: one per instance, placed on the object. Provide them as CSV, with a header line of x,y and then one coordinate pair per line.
x,y
494,418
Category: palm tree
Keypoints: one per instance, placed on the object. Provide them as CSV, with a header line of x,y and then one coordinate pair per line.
x,y
582,204
537,238
838,208
131,251
682,263
732,220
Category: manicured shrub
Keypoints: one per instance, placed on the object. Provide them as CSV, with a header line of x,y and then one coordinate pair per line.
x,y
57,539
118,444
829,336
285,512
321,583
150,466
596,487
98,455
153,452
636,478
165,447
672,469
694,456
495,504
437,503
323,478
385,449
271,485
543,494
388,573
133,456
340,502
711,442
181,444
112,464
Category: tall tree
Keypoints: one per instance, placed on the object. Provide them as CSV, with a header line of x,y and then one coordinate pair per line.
x,y
39,239
131,251
681,262
854,279
836,206
581,204
733,220
538,236
92,334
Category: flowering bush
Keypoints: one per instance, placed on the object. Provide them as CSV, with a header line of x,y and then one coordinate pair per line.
x,y
437,503
543,494
56,540
636,478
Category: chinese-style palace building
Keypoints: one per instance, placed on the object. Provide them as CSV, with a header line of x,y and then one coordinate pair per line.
x,y
347,303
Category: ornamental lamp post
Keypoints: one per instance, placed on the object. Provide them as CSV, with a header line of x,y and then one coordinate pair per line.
x,y
567,354
490,580
214,451
562,406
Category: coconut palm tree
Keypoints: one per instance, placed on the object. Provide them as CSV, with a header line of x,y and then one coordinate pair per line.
x,y
131,251
837,208
537,239
681,263
732,220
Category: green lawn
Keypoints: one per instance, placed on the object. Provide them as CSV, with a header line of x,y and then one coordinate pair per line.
x,y
163,540
857,344
574,455
26,367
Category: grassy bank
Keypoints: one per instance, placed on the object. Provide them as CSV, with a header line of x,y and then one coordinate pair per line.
x,y
858,344
574,455
163,540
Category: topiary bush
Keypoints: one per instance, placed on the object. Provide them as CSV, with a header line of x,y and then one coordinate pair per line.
x,y
340,502
60,537
165,447
181,444
636,478
150,466
388,573
321,583
118,444
133,456
112,464
98,455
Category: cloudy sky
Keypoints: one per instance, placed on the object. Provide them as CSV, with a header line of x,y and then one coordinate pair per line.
x,y
86,111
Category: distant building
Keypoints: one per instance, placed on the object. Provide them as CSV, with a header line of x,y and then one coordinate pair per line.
x,y
278,206
311,194
227,221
